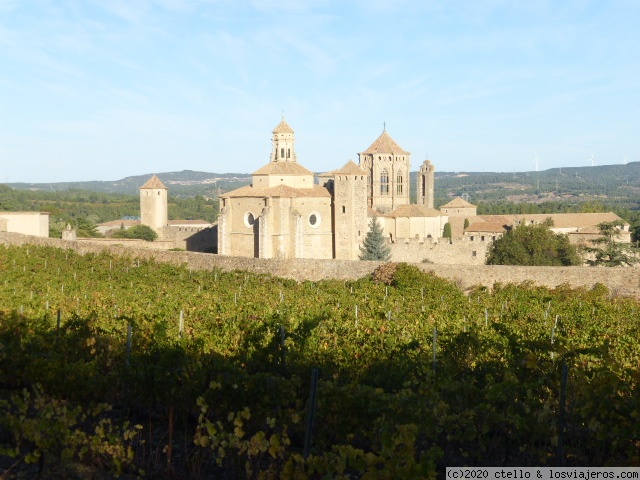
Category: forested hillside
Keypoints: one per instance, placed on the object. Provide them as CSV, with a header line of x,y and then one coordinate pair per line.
x,y
83,209
113,366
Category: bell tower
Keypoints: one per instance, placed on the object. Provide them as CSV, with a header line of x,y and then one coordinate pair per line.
x,y
425,184
387,166
283,143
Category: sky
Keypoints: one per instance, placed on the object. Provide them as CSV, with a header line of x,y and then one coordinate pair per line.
x,y
101,90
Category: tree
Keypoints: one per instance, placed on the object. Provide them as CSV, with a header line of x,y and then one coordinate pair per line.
x,y
142,232
466,223
533,245
607,251
446,231
375,245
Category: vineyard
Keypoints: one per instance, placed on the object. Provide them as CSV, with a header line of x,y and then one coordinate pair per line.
x,y
113,366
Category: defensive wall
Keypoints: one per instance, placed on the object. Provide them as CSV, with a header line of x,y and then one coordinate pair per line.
x,y
621,281
442,251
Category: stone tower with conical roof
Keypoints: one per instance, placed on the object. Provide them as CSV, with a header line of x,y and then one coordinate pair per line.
x,y
387,166
425,184
283,143
153,204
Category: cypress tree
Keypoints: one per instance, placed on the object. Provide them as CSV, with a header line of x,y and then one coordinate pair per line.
x,y
375,245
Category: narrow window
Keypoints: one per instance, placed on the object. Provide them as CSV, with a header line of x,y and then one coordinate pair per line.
x,y
344,209
282,152
384,183
288,152
399,184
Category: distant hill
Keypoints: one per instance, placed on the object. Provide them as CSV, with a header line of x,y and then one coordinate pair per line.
x,y
611,183
184,183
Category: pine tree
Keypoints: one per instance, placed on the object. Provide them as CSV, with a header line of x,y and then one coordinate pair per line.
x,y
607,251
375,245
446,231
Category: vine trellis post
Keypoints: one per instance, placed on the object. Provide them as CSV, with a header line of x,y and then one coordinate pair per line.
x,y
128,357
561,414
311,412
435,346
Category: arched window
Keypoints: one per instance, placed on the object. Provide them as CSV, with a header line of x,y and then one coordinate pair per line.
x,y
399,184
384,183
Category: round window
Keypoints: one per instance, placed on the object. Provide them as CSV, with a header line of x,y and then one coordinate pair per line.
x,y
314,220
249,219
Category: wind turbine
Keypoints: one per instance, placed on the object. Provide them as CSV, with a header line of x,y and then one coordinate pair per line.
x,y
624,156
593,163
536,161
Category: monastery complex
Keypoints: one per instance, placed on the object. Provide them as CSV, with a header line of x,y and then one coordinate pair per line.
x,y
290,212
287,213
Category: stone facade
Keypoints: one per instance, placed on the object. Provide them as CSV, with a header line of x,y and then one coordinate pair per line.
x,y
285,214
348,187
154,204
282,214
416,222
387,166
425,184
28,223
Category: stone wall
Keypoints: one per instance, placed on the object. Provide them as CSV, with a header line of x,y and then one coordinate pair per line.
x,y
441,252
621,281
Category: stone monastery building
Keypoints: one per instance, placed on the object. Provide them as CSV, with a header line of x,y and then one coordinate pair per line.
x,y
284,213
290,212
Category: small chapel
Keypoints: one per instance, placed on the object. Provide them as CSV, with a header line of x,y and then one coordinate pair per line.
x,y
288,212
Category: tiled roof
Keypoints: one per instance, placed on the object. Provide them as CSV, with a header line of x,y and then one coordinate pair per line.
x,y
282,191
560,220
283,168
118,223
349,168
283,127
414,211
458,202
188,222
385,144
494,227
153,183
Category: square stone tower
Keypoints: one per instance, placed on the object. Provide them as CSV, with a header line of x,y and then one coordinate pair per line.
x,y
425,183
387,166
348,186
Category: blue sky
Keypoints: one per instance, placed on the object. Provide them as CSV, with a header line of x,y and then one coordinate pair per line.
x,y
100,90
